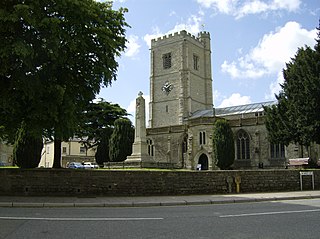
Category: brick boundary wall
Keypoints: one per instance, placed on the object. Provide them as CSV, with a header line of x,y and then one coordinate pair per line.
x,y
70,182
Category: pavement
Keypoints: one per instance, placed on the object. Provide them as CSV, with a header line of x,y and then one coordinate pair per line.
x,y
151,201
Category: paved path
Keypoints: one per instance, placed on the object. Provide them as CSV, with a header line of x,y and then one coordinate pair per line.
x,y
13,201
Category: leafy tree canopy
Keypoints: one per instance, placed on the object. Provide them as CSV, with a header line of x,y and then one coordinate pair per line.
x,y
97,120
296,116
55,55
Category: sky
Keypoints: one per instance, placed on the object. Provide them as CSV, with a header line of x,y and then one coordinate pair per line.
x,y
251,41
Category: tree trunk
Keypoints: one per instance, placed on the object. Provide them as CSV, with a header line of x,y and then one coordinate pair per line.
x,y
57,153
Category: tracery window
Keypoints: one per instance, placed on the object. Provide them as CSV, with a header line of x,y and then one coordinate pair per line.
x,y
243,145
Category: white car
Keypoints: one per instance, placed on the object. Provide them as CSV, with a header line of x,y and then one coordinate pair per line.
x,y
87,165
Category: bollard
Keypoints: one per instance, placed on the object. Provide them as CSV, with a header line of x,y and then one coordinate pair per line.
x,y
237,180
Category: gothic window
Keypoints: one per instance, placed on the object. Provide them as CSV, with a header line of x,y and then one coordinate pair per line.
x,y
243,145
150,147
277,151
166,60
202,138
195,62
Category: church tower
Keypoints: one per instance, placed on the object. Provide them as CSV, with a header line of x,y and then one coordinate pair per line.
x,y
180,78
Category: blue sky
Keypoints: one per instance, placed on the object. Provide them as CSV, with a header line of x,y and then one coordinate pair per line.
x,y
250,41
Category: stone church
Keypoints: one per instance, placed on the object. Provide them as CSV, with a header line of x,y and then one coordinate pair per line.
x,y
181,113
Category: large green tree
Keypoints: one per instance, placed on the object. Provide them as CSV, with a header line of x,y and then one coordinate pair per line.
x,y
223,144
96,118
55,55
296,116
120,145
96,127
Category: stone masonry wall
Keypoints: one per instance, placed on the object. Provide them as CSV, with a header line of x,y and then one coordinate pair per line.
x,y
68,182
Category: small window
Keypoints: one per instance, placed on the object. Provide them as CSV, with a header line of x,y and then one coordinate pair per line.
x,y
64,150
150,147
82,150
166,60
48,150
202,138
195,62
167,108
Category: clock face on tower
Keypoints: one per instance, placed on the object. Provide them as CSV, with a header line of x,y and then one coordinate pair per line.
x,y
167,87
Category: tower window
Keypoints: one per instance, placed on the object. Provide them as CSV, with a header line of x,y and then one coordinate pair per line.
x,y
195,62
166,60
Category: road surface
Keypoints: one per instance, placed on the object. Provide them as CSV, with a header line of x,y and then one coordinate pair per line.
x,y
280,219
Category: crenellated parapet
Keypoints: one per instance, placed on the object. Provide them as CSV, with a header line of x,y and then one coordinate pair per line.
x,y
178,35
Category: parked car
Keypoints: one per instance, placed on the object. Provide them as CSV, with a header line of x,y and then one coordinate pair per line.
x,y
75,165
90,165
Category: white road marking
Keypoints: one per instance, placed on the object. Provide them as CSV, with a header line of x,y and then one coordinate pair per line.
x,y
269,213
81,219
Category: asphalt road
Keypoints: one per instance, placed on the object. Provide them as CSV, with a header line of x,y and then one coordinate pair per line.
x,y
285,219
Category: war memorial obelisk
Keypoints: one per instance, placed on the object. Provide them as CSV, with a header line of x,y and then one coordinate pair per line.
x,y
139,147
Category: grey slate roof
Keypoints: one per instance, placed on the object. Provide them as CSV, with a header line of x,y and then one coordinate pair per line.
x,y
243,109
232,110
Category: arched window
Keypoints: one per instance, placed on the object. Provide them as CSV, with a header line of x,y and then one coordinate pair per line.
x,y
243,145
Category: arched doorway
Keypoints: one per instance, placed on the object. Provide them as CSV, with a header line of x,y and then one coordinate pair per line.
x,y
203,160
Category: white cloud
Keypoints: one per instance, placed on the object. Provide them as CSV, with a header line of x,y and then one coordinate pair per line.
x,y
155,34
235,99
223,6
216,96
239,9
172,13
132,46
131,109
192,25
271,53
